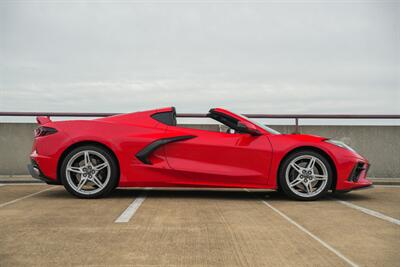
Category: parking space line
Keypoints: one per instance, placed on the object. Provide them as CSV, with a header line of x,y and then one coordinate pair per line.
x,y
24,197
322,242
7,184
387,186
131,210
370,212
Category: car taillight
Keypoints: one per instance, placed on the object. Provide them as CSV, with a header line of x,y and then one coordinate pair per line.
x,y
42,131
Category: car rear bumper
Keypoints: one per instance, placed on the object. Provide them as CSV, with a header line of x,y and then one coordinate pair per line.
x,y
36,173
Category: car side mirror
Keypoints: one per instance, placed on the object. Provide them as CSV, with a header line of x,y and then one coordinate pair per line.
x,y
246,127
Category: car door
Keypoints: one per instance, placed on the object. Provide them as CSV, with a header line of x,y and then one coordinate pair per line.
x,y
218,159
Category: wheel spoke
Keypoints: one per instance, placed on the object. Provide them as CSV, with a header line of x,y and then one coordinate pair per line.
x,y
311,163
96,181
100,166
296,167
295,181
87,158
308,187
74,169
320,177
82,182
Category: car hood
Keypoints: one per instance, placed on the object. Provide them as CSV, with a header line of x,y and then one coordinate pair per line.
x,y
306,137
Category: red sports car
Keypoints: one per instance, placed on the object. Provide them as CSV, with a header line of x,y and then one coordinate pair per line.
x,y
148,149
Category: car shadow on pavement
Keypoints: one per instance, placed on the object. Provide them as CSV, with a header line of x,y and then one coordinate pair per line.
x,y
186,194
351,196
225,194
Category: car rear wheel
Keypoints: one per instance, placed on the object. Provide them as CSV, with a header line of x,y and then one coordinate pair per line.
x,y
89,172
305,175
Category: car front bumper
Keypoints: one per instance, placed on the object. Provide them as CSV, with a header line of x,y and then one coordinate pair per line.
x,y
356,177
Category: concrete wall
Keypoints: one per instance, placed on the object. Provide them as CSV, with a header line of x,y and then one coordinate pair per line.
x,y
380,144
15,146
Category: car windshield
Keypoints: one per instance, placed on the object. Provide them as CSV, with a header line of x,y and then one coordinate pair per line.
x,y
268,129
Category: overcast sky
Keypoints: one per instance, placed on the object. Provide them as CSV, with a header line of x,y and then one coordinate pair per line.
x,y
272,57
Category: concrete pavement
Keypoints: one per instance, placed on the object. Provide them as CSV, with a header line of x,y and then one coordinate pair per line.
x,y
196,228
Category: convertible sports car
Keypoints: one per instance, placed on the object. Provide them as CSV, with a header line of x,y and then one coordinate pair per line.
x,y
148,149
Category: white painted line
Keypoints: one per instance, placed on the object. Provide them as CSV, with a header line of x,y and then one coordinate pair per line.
x,y
6,184
21,198
131,210
370,212
323,243
387,186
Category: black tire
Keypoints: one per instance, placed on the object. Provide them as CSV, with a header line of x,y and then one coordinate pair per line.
x,y
109,186
290,191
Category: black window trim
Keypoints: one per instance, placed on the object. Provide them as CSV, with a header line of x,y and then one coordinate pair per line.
x,y
230,121
168,119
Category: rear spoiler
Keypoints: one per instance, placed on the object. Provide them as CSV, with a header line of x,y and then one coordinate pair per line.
x,y
43,120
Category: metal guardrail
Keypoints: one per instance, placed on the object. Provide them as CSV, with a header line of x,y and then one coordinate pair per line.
x,y
296,117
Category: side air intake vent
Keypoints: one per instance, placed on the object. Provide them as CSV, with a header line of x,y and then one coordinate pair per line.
x,y
355,174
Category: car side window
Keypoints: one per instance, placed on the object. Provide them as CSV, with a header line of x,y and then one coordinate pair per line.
x,y
222,123
230,125
168,118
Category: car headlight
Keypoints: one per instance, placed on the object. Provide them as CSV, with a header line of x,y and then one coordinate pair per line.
x,y
340,144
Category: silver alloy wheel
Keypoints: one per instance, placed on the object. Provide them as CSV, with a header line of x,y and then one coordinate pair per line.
x,y
88,172
306,176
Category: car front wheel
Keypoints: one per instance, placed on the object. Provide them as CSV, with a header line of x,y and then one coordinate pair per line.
x,y
305,175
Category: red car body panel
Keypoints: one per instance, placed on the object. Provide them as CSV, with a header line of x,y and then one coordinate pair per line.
x,y
203,159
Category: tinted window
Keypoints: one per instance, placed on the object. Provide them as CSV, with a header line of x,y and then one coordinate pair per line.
x,y
167,118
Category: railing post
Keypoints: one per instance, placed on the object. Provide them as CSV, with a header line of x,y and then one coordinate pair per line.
x,y
296,129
